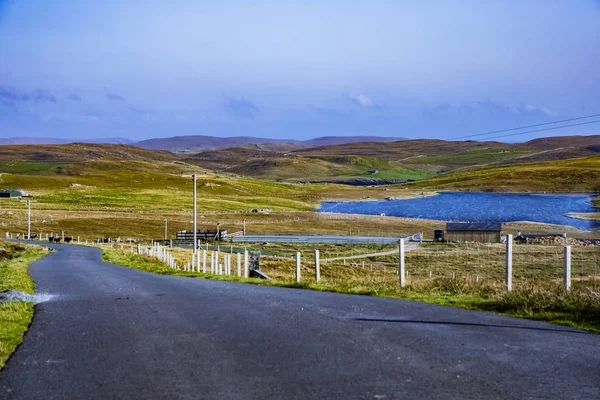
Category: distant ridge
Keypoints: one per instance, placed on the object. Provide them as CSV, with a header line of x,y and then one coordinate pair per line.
x,y
40,140
201,142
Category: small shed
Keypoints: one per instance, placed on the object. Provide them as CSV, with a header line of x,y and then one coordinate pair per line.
x,y
480,232
11,194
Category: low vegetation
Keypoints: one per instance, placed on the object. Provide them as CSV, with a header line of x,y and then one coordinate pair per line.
x,y
15,316
573,175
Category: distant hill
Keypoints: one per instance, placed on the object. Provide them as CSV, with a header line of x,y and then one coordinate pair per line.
x,y
80,152
400,150
399,160
200,142
40,140
85,159
335,140
446,163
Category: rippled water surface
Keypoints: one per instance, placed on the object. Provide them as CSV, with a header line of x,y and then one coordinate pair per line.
x,y
471,207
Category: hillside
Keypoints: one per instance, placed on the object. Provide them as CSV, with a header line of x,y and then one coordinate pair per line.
x,y
200,142
572,175
291,166
78,158
45,140
81,152
366,163
400,160
400,150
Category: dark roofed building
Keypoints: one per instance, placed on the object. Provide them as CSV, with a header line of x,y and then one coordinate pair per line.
x,y
481,232
11,194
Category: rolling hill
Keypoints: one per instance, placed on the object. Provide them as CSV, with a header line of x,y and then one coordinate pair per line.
x,y
571,175
41,140
200,142
373,162
78,152
444,164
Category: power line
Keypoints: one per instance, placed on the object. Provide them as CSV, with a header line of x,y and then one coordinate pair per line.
x,y
525,127
545,129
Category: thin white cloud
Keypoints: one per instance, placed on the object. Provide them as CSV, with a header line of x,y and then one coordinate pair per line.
x,y
361,100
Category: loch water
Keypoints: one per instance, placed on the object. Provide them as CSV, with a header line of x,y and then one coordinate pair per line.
x,y
479,207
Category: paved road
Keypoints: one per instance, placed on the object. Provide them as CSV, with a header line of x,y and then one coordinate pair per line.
x,y
114,332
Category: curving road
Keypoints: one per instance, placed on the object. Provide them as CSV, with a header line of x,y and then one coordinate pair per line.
x,y
112,332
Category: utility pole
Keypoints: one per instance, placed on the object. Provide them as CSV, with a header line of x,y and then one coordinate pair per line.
x,y
165,228
195,225
29,217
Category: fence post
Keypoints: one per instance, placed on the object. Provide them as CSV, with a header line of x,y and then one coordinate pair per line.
x,y
239,265
246,272
204,261
567,268
401,263
317,265
509,248
298,266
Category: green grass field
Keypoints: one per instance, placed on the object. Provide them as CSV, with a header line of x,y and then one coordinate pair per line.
x,y
15,316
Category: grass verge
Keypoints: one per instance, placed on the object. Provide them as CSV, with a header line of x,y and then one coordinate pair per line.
x,y
538,300
15,316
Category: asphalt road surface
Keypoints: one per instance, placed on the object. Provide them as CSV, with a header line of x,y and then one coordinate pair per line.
x,y
111,332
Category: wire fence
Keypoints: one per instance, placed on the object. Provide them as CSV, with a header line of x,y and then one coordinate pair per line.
x,y
482,263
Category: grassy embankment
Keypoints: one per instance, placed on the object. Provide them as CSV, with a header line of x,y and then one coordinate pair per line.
x,y
467,276
15,316
576,175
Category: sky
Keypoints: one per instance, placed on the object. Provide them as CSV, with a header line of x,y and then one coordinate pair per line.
x,y
141,69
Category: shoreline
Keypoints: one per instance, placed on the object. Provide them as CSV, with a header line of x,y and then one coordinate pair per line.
x,y
586,216
594,196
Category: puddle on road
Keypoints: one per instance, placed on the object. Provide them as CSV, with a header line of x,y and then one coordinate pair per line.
x,y
13,295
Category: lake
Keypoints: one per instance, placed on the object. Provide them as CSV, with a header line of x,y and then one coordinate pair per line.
x,y
472,207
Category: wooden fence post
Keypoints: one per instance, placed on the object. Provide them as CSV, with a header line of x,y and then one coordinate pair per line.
x,y
401,263
298,266
567,268
509,251
317,266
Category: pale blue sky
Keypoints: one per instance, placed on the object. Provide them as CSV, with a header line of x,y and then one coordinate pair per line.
x,y
297,69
